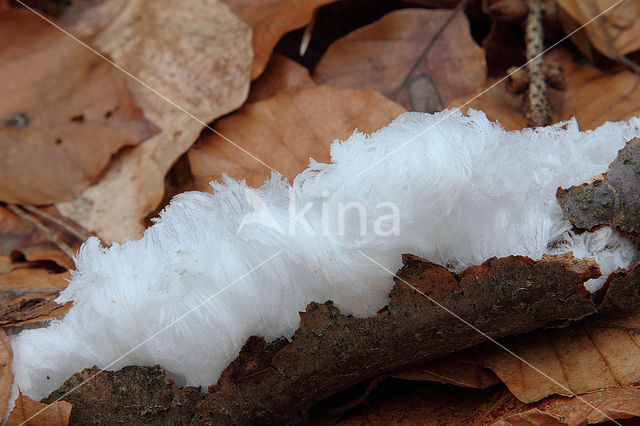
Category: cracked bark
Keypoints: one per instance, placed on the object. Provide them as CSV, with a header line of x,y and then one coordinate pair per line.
x,y
277,382
612,199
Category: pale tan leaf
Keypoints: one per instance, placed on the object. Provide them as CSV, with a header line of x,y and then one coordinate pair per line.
x,y
586,357
197,54
596,407
28,412
286,130
64,112
382,56
614,34
592,96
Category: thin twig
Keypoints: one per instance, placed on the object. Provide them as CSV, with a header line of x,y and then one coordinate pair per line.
x,y
306,36
538,114
46,231
82,236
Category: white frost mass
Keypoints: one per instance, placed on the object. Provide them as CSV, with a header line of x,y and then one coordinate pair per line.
x,y
465,191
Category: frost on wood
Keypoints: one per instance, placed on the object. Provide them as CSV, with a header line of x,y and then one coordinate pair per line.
x,y
465,191
613,199
272,383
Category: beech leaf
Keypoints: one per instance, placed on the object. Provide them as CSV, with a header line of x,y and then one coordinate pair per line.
x,y
214,84
382,56
270,20
64,118
292,126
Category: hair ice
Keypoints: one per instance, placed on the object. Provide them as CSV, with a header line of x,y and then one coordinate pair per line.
x,y
464,190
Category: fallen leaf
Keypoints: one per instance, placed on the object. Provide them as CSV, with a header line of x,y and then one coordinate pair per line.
x,y
48,252
285,131
19,235
498,104
394,402
64,112
504,45
589,356
453,370
400,403
28,279
382,56
614,35
30,308
26,411
270,20
282,74
612,404
617,94
595,96
85,19
6,377
206,73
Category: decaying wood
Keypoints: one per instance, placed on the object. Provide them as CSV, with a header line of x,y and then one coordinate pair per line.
x,y
613,199
278,381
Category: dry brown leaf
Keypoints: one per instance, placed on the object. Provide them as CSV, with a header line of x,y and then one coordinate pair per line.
x,y
6,377
48,252
26,279
64,112
592,96
86,18
615,34
586,357
499,105
26,411
286,130
618,403
401,403
381,57
454,370
19,237
206,73
270,20
595,96
16,232
281,74
435,404
30,308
